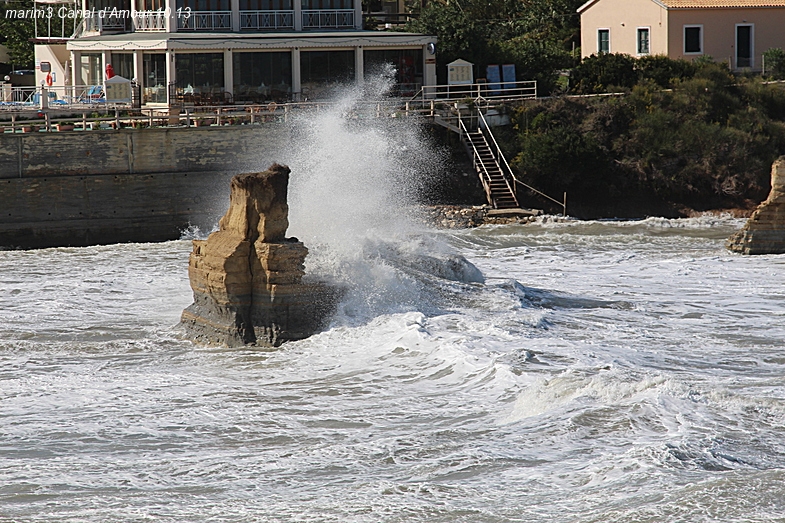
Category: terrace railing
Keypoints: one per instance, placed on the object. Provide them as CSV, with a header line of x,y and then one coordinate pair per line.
x,y
205,21
117,117
149,20
484,91
328,18
98,22
34,99
256,20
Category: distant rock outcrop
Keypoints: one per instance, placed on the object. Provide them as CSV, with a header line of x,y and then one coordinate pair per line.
x,y
764,232
247,276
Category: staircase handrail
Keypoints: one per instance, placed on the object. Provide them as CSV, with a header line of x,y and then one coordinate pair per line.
x,y
486,180
500,154
505,175
79,28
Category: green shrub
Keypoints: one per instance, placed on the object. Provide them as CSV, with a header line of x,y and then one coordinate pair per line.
x,y
599,73
774,63
664,71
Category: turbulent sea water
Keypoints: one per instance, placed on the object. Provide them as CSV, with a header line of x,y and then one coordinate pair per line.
x,y
604,371
559,371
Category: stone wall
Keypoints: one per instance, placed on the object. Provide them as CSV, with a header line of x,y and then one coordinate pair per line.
x,y
764,232
84,188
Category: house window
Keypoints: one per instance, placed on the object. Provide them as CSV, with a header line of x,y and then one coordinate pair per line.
x,y
603,40
327,4
154,70
744,45
693,39
150,5
265,5
123,65
203,71
408,64
262,76
91,69
643,40
204,5
322,67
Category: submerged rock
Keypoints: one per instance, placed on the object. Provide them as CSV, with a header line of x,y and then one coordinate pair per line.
x,y
764,232
247,277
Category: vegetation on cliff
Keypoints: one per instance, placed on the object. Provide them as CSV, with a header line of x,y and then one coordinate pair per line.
x,y
707,142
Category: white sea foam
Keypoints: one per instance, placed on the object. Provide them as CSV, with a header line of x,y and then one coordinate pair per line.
x,y
605,371
352,185
552,404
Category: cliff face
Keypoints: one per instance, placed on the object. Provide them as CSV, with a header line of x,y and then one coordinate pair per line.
x,y
764,232
247,276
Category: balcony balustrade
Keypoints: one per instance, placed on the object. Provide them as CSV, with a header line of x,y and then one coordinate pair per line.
x,y
328,19
250,20
255,20
98,22
150,20
205,21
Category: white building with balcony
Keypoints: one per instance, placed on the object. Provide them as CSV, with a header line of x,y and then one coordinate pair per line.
x,y
227,51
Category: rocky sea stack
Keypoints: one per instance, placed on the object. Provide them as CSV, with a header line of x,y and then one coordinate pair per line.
x,y
764,232
247,277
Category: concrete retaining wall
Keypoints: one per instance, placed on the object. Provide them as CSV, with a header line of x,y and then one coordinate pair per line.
x,y
86,188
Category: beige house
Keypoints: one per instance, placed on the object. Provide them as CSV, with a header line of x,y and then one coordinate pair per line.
x,y
737,31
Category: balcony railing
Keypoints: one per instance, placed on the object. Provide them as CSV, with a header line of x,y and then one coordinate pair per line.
x,y
150,20
205,21
98,22
328,18
266,19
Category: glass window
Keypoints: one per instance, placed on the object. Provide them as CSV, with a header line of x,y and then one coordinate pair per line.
x,y
265,5
154,77
204,5
202,71
91,69
604,40
261,76
743,46
643,40
407,64
326,66
692,39
150,5
123,65
327,4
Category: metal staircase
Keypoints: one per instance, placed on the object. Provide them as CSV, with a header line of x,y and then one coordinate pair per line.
x,y
498,189
498,179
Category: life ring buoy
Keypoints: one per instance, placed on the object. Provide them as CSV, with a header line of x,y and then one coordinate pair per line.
x,y
272,106
49,79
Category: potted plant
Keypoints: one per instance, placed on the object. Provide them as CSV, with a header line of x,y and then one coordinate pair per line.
x,y
65,126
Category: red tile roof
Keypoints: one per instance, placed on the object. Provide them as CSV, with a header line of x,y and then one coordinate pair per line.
x,y
700,4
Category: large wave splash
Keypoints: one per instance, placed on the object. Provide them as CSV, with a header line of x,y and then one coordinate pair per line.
x,y
355,182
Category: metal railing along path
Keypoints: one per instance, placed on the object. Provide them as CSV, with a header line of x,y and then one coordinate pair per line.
x,y
101,116
486,91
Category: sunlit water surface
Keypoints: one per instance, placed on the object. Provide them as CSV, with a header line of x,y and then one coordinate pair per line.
x,y
604,372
